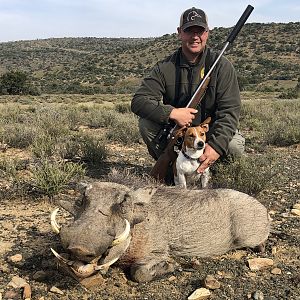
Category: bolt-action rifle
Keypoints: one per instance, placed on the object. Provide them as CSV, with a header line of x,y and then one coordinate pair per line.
x,y
175,135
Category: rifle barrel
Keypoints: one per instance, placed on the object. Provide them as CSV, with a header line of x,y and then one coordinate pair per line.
x,y
240,23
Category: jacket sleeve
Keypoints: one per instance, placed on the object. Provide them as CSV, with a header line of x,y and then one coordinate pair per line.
x,y
228,106
148,100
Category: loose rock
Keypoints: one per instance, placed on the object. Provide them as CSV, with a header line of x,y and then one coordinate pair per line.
x,y
295,212
296,206
39,276
172,278
276,271
16,258
17,282
211,283
11,294
92,281
200,294
56,290
258,295
27,292
256,264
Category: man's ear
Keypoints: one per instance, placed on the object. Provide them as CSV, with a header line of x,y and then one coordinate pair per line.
x,y
179,30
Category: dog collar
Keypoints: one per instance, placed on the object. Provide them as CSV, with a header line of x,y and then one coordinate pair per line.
x,y
191,158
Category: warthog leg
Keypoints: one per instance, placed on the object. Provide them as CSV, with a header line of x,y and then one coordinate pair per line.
x,y
149,269
261,248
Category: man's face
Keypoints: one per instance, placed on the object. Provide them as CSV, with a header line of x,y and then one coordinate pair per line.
x,y
193,39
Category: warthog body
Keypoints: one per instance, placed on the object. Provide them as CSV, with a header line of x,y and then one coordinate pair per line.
x,y
165,222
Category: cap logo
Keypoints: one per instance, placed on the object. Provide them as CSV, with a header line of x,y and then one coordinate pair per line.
x,y
192,16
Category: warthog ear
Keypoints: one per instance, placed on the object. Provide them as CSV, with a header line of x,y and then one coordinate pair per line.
x,y
69,206
134,205
143,195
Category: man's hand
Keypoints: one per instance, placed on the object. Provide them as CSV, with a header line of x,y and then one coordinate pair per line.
x,y
207,158
183,116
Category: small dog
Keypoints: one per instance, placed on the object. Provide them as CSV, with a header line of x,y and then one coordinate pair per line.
x,y
188,161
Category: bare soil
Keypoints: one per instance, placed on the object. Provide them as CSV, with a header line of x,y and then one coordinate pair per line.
x,y
25,229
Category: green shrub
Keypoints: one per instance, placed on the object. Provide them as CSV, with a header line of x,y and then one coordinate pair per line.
x,y
44,146
271,122
69,148
9,168
243,175
124,130
123,108
82,146
18,135
292,93
283,135
53,122
51,177
104,117
93,149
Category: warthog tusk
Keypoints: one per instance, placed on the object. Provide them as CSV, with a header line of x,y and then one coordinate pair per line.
x,y
55,227
123,236
79,268
85,270
66,261
107,265
112,261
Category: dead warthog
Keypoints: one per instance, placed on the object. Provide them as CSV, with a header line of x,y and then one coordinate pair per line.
x,y
145,228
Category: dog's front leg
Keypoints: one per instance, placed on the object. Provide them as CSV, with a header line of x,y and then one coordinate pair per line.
x,y
180,180
205,177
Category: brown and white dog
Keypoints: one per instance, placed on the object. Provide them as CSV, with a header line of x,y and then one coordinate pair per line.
x,y
188,161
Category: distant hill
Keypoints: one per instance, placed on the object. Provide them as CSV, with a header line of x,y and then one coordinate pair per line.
x,y
264,55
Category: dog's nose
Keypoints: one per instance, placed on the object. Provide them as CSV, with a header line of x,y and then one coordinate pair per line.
x,y
200,145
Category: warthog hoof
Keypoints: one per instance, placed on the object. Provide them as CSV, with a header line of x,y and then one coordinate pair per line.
x,y
261,248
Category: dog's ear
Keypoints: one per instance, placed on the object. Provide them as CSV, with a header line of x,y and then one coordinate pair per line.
x,y
205,123
180,132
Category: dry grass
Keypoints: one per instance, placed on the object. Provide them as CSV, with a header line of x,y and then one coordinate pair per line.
x,y
75,130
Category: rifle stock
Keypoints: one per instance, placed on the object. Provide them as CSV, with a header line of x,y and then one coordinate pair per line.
x,y
166,159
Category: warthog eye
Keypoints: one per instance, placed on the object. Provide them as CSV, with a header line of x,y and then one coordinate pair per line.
x,y
101,212
111,232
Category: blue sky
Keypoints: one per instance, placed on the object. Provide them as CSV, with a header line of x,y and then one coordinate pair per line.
x,y
38,19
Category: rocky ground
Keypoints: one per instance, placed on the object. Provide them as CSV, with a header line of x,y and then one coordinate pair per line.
x,y
28,267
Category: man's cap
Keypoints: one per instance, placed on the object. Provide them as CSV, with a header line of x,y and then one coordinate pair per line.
x,y
193,17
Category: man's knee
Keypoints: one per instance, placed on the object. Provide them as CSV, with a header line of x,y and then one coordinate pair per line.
x,y
149,131
236,146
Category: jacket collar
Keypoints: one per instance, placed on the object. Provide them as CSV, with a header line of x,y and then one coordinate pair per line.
x,y
183,62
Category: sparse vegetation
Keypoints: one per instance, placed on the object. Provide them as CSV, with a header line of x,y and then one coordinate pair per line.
x,y
84,134
105,65
51,177
242,174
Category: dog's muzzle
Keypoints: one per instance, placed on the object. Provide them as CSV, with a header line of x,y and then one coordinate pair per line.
x,y
200,145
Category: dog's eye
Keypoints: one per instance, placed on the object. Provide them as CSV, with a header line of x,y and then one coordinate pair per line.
x,y
202,134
